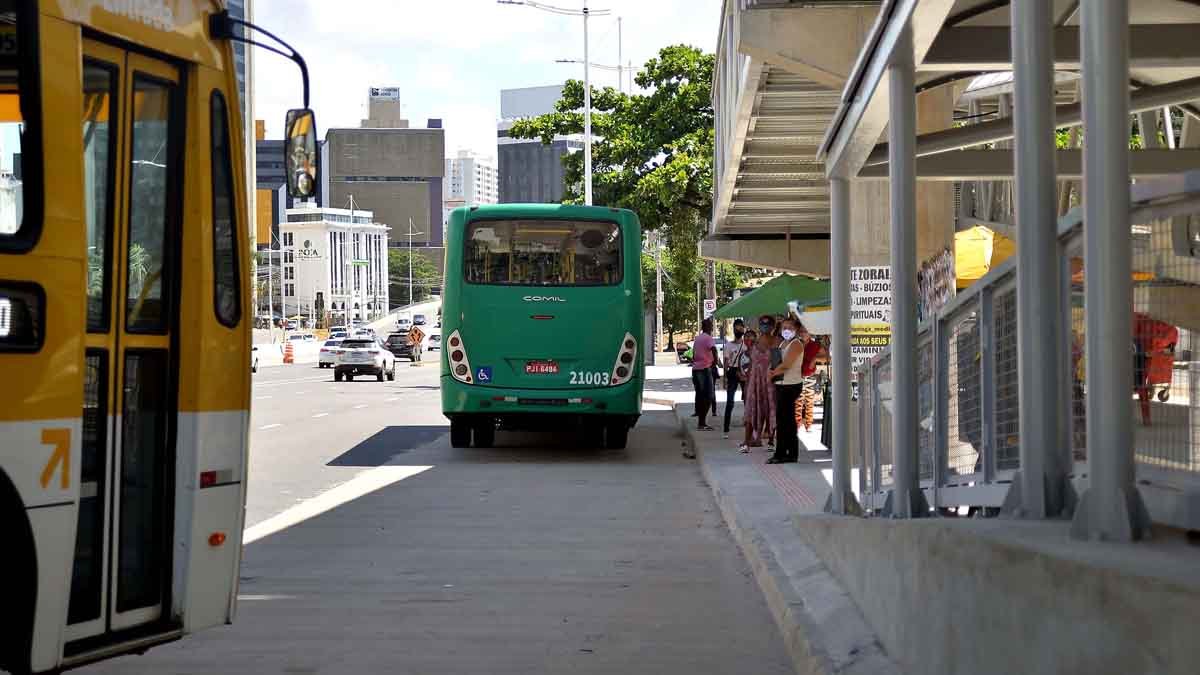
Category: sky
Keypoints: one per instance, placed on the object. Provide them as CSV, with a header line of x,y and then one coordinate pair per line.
x,y
451,58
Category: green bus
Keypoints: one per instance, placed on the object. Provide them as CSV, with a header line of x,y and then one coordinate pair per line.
x,y
542,322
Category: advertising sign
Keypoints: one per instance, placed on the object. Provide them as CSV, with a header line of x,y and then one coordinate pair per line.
x,y
308,251
870,312
389,93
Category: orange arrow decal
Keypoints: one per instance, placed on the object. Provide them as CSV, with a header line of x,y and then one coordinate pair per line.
x,y
61,440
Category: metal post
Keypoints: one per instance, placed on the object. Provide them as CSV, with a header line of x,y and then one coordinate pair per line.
x,y
1041,487
587,114
841,497
410,235
658,294
1112,507
908,501
620,68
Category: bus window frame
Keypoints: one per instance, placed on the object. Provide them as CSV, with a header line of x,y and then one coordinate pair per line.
x,y
230,184
110,216
508,219
29,79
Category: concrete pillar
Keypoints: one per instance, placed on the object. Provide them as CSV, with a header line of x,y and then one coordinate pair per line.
x,y
841,498
1112,507
1041,488
907,499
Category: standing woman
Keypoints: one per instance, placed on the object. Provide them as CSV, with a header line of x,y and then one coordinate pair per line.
x,y
745,374
787,390
760,393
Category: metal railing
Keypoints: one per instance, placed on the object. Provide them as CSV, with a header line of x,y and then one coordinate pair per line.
x,y
969,426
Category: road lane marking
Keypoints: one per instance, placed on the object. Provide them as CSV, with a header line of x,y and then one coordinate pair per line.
x,y
274,383
297,393
360,406
319,415
260,398
394,398
364,483
269,426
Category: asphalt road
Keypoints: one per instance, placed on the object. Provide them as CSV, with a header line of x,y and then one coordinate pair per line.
x,y
377,548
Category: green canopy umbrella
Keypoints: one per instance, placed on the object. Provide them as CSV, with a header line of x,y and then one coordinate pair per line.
x,y
773,297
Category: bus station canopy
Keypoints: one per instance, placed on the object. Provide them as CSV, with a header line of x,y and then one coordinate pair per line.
x,y
773,297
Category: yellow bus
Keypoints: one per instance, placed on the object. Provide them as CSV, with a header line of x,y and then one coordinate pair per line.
x,y
124,323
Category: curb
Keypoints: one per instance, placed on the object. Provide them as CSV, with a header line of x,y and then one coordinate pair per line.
x,y
811,610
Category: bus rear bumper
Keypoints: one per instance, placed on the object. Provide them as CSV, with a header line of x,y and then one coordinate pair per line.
x,y
519,408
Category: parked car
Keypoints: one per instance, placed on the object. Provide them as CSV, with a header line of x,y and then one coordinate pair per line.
x,y
253,359
364,356
400,347
418,319
327,358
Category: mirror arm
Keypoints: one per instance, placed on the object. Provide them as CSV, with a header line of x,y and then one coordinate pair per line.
x,y
221,26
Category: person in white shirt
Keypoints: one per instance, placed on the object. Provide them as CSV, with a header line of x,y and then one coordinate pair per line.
x,y
732,356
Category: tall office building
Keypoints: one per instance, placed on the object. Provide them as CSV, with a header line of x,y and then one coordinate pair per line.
x,y
471,178
394,172
529,170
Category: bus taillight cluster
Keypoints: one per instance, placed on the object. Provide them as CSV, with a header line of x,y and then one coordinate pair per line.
x,y
622,368
460,366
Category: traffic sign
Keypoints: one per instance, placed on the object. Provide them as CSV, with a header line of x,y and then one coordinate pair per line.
x,y
710,306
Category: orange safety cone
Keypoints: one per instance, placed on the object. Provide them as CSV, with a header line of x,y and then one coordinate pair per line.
x,y
288,356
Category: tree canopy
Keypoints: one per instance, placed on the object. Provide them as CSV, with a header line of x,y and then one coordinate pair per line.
x,y
425,276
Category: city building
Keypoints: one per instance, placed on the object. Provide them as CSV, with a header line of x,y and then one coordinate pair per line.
x,y
396,173
333,264
530,171
384,110
470,180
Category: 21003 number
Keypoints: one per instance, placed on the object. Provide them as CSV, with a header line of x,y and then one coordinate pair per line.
x,y
582,377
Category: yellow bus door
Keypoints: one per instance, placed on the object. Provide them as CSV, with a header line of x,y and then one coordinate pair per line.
x,y
133,119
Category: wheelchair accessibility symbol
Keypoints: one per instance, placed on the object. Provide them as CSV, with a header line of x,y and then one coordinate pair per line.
x,y
484,374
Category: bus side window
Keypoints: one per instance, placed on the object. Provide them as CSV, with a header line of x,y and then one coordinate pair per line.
x,y
99,164
226,293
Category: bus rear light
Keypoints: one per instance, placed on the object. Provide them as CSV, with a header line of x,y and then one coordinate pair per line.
x,y
216,539
621,369
460,363
208,479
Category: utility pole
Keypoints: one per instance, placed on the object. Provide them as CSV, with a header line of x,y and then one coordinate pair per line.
x,y
587,114
620,70
658,293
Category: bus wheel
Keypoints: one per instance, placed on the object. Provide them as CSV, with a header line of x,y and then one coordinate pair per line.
x,y
616,436
460,434
485,434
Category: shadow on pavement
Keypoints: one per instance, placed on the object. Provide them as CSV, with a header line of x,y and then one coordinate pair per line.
x,y
388,443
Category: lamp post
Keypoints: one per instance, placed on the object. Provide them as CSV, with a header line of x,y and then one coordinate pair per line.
x,y
587,82
410,274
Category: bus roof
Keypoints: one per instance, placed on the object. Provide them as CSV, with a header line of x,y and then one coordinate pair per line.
x,y
563,211
177,28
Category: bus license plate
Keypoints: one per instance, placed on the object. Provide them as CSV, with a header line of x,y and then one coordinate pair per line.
x,y
541,367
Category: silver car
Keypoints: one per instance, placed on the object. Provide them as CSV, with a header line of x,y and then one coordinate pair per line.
x,y
364,356
327,358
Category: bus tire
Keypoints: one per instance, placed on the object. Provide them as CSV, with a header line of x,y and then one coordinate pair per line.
x,y
485,434
16,613
460,434
616,436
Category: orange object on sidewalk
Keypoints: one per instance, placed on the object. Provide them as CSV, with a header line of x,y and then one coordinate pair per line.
x,y
288,354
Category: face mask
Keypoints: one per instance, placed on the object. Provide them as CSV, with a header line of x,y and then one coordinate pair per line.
x,y
788,333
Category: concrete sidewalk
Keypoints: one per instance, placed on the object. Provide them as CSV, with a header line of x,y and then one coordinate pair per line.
x,y
822,627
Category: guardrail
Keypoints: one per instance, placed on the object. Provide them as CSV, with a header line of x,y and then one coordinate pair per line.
x,y
969,426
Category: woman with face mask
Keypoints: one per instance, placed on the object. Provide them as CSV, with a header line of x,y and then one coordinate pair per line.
x,y
731,357
787,390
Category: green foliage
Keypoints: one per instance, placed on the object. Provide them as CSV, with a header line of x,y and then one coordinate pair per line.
x,y
652,153
425,276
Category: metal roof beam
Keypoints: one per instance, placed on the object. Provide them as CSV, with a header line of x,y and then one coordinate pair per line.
x,y
969,165
1146,98
973,48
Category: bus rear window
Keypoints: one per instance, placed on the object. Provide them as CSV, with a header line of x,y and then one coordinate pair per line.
x,y
543,253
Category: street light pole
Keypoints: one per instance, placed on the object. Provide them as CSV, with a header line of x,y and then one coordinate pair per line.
x,y
587,82
587,115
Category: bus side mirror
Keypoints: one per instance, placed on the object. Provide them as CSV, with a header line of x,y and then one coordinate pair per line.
x,y
301,152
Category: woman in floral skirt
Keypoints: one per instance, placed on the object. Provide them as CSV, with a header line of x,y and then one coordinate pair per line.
x,y
760,393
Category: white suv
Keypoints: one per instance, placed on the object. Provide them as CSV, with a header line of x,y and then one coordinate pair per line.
x,y
363,356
